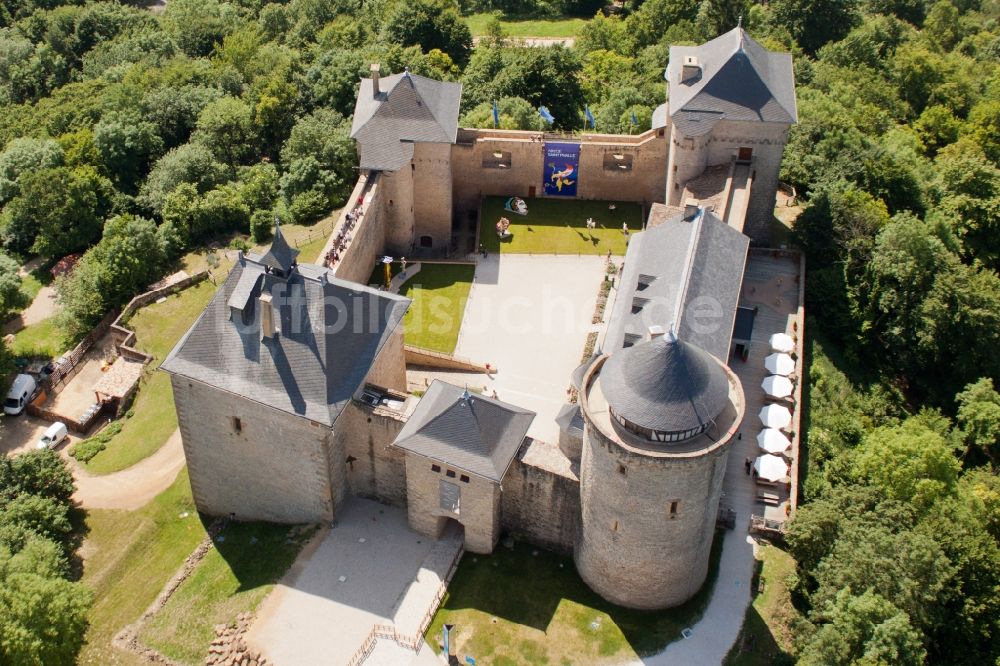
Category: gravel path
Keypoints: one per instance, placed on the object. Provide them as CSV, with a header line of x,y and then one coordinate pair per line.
x,y
134,487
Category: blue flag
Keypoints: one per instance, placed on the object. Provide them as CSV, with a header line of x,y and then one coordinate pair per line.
x,y
635,121
589,116
496,114
546,116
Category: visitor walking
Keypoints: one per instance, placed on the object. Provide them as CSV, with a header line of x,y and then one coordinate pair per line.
x,y
625,229
747,464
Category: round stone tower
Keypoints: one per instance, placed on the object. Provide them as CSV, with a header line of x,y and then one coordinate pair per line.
x,y
659,418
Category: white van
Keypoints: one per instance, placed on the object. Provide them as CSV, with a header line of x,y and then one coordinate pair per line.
x,y
20,394
54,435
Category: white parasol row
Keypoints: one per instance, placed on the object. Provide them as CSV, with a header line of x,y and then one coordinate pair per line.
x,y
771,468
782,342
777,386
775,416
779,364
773,441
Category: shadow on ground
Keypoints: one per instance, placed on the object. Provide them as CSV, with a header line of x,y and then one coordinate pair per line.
x,y
525,585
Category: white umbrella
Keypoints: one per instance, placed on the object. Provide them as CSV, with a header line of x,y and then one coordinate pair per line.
x,y
775,416
779,364
770,467
782,342
773,441
777,386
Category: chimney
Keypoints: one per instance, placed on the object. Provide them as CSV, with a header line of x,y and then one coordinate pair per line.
x,y
266,316
375,69
691,69
691,210
655,331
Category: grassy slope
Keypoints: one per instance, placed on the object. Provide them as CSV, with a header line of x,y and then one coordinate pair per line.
x,y
234,577
128,557
556,27
40,339
519,607
439,293
766,637
554,226
158,326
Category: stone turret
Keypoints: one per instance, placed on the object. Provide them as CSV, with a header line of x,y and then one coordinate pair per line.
x,y
659,419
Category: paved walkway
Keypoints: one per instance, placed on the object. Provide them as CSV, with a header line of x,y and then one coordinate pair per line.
x,y
715,633
134,487
529,316
370,569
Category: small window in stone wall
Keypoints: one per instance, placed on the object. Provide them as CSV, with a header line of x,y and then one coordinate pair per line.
x,y
436,468
500,159
621,469
237,425
614,526
618,162
464,478
450,474
673,508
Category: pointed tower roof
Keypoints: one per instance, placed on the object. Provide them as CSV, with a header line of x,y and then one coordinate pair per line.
x,y
731,77
280,256
407,109
470,432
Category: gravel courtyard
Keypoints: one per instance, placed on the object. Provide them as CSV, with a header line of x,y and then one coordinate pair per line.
x,y
317,618
529,315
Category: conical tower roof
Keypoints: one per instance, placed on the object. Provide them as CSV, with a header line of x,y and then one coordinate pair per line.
x,y
666,385
280,256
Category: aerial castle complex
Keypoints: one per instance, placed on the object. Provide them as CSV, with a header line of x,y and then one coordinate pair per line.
x,y
291,388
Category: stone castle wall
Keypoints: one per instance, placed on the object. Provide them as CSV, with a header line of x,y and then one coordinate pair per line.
x,y
476,173
275,467
689,157
479,506
432,193
377,470
368,242
540,505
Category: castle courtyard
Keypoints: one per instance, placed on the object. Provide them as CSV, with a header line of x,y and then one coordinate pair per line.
x,y
528,316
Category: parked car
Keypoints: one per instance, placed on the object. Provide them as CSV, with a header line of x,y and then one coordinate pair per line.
x,y
54,436
20,394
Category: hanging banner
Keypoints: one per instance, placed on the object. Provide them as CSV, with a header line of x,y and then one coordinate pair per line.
x,y
562,169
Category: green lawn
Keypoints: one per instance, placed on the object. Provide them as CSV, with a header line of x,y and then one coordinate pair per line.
x,y
42,339
559,226
529,606
234,577
158,327
555,27
439,293
766,637
128,558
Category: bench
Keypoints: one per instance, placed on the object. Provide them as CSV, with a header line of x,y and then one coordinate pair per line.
x,y
769,498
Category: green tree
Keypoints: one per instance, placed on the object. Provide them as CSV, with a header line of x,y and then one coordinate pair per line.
x,y
515,114
942,25
431,24
42,620
979,416
127,146
813,23
22,155
11,296
197,25
863,629
191,163
226,127
910,463
43,473
58,210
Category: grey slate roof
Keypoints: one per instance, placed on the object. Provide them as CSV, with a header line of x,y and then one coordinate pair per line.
x,y
665,384
466,431
570,420
681,274
280,256
408,109
740,80
329,333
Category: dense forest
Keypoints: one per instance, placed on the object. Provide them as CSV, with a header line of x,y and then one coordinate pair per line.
x,y
133,137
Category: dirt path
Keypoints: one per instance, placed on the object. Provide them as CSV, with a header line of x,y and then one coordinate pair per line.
x,y
131,488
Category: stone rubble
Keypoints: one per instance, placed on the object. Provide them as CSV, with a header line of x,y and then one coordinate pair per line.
x,y
229,647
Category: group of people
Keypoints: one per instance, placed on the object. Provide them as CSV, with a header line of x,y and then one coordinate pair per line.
x,y
503,227
344,235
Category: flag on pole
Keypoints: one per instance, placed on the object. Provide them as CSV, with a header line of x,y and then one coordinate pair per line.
x,y
496,114
546,116
589,116
635,121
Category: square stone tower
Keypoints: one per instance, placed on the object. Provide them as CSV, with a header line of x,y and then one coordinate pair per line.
x,y
729,101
